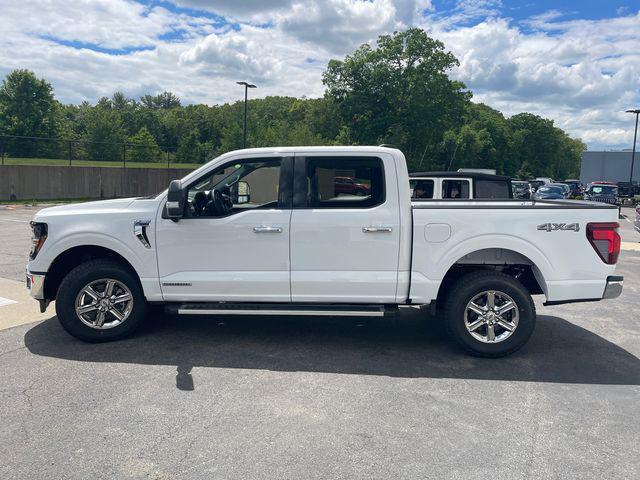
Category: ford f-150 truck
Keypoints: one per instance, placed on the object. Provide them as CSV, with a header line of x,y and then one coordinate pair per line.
x,y
267,232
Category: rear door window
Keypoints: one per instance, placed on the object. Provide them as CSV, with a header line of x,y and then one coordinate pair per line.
x,y
344,182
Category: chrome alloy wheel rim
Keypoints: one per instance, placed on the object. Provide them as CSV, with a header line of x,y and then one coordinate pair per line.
x,y
104,303
491,316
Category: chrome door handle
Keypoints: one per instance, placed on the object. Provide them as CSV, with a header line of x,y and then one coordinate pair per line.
x,y
377,229
263,229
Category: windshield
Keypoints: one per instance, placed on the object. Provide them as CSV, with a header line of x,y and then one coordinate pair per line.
x,y
603,190
550,190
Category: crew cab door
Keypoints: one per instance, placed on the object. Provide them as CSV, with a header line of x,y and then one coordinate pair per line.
x,y
345,244
237,251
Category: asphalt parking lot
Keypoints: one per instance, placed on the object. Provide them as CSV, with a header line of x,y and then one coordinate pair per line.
x,y
317,398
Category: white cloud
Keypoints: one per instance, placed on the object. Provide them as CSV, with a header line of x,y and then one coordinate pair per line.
x,y
249,52
107,23
581,73
560,70
339,25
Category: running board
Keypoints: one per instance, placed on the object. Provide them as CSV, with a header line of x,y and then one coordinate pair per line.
x,y
280,309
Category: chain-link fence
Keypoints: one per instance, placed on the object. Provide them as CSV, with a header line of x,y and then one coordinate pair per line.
x,y
24,150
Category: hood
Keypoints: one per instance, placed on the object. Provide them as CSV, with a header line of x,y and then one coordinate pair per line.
x,y
102,206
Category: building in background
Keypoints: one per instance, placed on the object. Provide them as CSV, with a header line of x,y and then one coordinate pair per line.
x,y
608,166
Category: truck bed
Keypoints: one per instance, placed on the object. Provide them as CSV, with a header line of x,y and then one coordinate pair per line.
x,y
549,235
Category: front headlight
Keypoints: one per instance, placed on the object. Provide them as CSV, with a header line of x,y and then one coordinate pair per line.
x,y
38,238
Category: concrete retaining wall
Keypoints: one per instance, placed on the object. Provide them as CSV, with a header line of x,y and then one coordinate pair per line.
x,y
27,182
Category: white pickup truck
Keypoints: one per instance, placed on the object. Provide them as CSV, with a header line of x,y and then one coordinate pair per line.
x,y
319,231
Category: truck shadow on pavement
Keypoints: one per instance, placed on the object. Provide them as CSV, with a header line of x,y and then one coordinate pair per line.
x,y
408,346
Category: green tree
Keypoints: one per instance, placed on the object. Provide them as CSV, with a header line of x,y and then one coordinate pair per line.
x,y
480,142
104,136
164,101
189,148
398,92
28,108
121,102
143,147
537,143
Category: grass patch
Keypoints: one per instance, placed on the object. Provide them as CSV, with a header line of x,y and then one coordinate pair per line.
x,y
60,162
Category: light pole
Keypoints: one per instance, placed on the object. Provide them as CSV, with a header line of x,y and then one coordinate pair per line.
x,y
247,86
633,151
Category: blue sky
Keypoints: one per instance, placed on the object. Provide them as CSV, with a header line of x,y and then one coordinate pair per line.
x,y
576,62
571,9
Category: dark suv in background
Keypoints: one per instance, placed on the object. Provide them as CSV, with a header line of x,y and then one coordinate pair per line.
x,y
521,189
535,185
459,185
606,192
576,188
627,189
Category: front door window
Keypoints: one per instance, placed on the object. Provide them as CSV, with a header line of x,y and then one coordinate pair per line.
x,y
235,188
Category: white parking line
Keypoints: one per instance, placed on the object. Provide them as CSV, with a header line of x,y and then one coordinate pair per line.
x,y
5,301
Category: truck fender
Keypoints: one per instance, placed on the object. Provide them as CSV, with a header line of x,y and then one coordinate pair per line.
x,y
81,239
523,247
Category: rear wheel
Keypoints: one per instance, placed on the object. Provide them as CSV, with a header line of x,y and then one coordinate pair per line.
x,y
100,300
489,314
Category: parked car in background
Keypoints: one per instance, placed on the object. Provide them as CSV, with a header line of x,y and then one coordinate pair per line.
x,y
606,192
535,184
545,180
627,189
489,171
565,188
521,189
576,187
458,185
547,192
350,186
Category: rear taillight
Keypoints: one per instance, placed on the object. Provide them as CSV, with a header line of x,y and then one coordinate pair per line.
x,y
605,240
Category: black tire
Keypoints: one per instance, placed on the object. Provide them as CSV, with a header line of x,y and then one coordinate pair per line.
x,y
473,284
83,275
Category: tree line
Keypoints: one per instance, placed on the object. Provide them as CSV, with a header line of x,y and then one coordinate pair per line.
x,y
397,91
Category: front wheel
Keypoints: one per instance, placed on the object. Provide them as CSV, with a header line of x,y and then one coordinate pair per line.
x,y
100,300
490,314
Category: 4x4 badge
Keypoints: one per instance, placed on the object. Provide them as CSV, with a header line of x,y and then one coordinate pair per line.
x,y
550,227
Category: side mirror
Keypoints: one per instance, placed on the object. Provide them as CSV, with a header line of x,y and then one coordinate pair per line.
x,y
243,192
175,200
